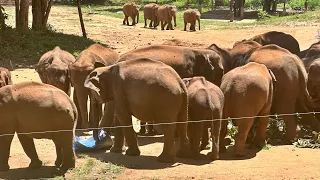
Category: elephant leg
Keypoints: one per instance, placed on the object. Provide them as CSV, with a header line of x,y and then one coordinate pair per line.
x,y
82,96
185,26
29,148
59,158
197,131
143,128
96,109
215,135
150,25
162,25
165,24
260,139
5,152
118,142
75,100
167,155
244,126
185,147
145,22
151,130
204,138
64,140
108,117
223,133
125,19
290,121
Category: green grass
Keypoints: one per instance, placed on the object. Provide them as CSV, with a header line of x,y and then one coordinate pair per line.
x,y
26,48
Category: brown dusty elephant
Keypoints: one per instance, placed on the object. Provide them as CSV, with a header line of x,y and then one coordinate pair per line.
x,y
314,49
291,95
312,65
149,90
191,16
165,14
53,68
130,9
36,107
5,77
187,62
224,53
279,38
150,12
248,92
206,102
94,56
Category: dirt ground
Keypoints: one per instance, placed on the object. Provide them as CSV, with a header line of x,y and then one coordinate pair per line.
x,y
279,162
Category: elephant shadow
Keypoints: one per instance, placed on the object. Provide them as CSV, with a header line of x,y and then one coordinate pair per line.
x,y
44,172
228,155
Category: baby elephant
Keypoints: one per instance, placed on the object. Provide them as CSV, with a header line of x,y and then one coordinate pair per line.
x,y
191,16
5,77
152,92
130,9
206,102
248,91
36,107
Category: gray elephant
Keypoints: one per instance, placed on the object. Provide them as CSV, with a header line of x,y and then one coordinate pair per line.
x,y
165,14
191,16
94,56
130,9
150,12
151,91
53,68
206,102
36,107
5,77
248,92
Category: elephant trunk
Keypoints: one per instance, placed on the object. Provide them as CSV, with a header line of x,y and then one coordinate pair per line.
x,y
175,20
199,22
82,98
138,18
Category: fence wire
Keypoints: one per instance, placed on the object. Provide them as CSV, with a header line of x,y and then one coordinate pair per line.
x,y
157,124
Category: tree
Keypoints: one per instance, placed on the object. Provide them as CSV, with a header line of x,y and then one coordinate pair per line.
x,y
22,11
81,20
40,13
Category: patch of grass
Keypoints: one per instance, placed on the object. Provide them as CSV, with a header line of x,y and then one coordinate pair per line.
x,y
25,48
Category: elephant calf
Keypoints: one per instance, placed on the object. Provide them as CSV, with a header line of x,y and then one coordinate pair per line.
x,y
152,92
130,9
248,92
206,101
5,77
36,107
150,12
191,16
165,14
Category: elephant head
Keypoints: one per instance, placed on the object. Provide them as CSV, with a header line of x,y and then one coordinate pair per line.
x,y
5,77
172,13
58,76
136,11
313,83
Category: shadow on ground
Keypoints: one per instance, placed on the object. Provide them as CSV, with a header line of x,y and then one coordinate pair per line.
x,y
25,173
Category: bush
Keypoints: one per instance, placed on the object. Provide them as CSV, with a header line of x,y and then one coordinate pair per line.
x,y
262,15
253,4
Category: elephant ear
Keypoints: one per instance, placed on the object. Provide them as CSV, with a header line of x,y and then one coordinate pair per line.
x,y
92,82
186,81
273,77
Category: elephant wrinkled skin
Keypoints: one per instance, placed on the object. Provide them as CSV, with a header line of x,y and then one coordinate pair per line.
x,y
130,9
53,68
191,16
248,91
5,77
150,12
150,91
206,102
37,107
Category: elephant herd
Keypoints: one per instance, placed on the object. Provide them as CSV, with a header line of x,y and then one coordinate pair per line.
x,y
163,84
162,15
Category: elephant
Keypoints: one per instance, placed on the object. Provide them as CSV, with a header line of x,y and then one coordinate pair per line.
x,y
251,85
5,77
314,49
279,38
291,95
225,55
191,16
165,14
206,101
94,56
36,107
150,12
53,68
151,91
130,9
312,65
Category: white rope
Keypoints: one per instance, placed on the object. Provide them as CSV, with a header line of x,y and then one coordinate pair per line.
x,y
193,121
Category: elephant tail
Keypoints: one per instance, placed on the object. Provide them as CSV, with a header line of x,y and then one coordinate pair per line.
x,y
138,17
75,116
183,114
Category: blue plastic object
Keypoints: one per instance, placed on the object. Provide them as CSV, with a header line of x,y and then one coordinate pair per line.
x,y
89,145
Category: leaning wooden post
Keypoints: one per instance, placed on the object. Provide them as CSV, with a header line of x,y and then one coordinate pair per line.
x,y
241,9
231,2
81,20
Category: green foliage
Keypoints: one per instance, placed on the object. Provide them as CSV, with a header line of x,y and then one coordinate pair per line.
x,y
300,3
262,15
232,130
253,4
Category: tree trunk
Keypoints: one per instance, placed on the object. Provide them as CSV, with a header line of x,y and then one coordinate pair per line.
x,y
17,3
23,15
40,13
231,10
81,20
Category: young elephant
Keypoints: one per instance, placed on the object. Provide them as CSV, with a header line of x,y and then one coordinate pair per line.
x,y
206,102
130,9
312,65
5,77
53,68
150,12
165,14
152,92
36,107
191,16
248,91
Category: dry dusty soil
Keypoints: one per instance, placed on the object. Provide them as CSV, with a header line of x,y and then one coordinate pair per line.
x,y
279,162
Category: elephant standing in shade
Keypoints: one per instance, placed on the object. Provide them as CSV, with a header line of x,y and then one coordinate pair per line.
x,y
150,12
53,69
165,14
5,77
248,92
36,107
149,90
130,9
314,49
94,56
191,16
206,102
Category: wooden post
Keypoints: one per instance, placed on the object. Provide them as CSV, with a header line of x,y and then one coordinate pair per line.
x,y
81,20
231,3
241,9
17,4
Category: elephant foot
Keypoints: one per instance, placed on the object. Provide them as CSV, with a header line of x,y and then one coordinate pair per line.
x,y
66,167
58,162
260,143
35,164
213,155
4,167
133,152
222,149
164,158
183,153
242,153
195,155
115,149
